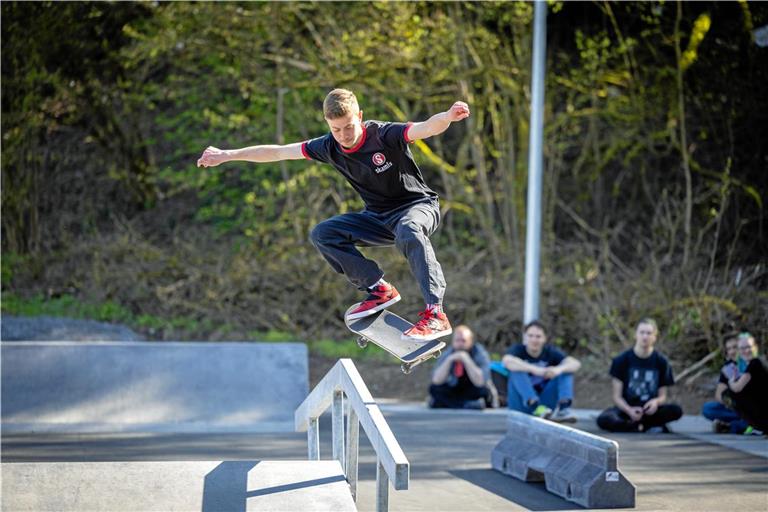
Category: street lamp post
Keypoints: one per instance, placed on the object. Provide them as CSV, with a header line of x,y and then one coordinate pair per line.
x,y
535,164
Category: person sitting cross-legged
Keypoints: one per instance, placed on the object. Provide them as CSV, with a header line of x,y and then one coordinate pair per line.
x,y
540,376
641,376
460,378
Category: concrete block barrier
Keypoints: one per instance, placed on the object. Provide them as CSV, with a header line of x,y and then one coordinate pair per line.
x,y
575,465
151,387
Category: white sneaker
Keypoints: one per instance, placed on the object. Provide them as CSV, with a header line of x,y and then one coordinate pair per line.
x,y
563,415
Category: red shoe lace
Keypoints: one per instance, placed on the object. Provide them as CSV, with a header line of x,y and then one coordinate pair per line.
x,y
426,316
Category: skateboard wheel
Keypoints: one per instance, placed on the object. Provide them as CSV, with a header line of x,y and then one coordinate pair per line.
x,y
362,342
406,368
438,354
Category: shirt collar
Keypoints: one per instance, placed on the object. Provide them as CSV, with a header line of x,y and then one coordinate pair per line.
x,y
359,144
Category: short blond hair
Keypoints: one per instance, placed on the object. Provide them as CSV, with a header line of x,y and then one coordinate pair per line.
x,y
339,103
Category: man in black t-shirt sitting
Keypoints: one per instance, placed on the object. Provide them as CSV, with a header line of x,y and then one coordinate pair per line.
x,y
751,387
724,418
400,209
461,375
540,376
641,376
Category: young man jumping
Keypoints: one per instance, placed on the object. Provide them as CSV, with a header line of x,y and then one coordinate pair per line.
x,y
400,208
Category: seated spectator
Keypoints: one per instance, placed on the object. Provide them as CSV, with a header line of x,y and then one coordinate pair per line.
x,y
749,389
460,378
724,419
641,376
540,376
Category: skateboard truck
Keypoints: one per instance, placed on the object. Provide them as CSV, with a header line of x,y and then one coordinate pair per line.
x,y
406,368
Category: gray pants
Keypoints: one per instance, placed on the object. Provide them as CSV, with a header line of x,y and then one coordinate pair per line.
x,y
408,228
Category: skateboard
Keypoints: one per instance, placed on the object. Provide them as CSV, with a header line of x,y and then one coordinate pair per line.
x,y
384,329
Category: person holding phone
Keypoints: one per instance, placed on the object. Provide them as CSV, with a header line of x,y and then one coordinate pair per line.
x,y
722,414
750,388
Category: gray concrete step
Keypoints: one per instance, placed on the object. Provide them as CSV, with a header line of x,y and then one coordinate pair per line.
x,y
176,486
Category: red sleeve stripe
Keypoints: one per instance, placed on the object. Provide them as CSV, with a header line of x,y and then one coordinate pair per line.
x,y
304,151
405,133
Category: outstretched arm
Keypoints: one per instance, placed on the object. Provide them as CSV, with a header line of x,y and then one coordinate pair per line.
x,y
438,123
212,156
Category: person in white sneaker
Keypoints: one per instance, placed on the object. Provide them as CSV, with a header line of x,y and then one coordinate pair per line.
x,y
751,387
724,418
540,376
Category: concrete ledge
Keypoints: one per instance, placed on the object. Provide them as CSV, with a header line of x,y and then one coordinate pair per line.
x,y
575,465
151,387
176,486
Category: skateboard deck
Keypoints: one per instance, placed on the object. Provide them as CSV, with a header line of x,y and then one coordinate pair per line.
x,y
384,329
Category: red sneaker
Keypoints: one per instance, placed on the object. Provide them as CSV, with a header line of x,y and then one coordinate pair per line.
x,y
431,326
380,297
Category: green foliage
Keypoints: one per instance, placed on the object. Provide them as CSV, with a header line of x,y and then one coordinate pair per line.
x,y
654,186
334,349
65,306
8,263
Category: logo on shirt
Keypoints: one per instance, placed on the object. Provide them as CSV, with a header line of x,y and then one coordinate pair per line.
x,y
643,383
381,162
379,159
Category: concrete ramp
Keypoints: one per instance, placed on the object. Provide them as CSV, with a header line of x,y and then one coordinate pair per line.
x,y
151,387
176,486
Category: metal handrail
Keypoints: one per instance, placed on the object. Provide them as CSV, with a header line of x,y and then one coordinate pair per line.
x,y
340,381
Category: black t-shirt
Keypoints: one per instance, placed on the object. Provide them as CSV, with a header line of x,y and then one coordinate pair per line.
x,y
550,356
380,168
756,388
642,378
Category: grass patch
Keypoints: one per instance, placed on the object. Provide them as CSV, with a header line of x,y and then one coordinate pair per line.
x,y
65,306
68,306
272,336
347,348
332,349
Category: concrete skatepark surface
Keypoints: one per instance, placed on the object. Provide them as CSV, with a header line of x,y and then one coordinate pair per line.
x,y
179,486
449,452
151,387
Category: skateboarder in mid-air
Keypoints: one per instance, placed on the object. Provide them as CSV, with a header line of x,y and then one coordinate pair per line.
x,y
400,208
